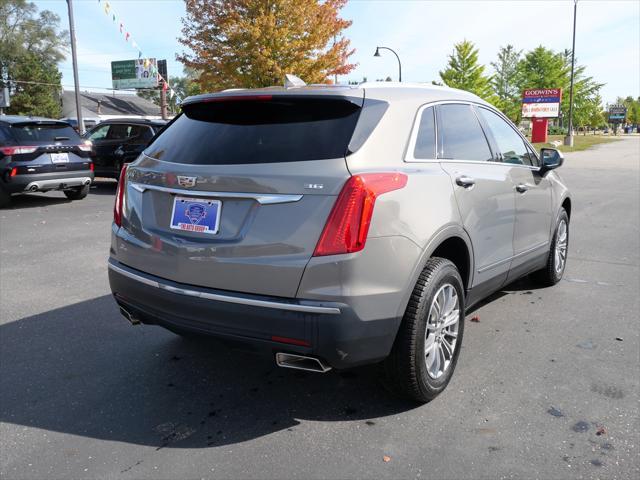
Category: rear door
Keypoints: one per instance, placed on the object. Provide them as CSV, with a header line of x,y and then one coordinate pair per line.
x,y
483,190
234,194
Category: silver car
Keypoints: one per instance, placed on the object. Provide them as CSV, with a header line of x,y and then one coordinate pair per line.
x,y
335,226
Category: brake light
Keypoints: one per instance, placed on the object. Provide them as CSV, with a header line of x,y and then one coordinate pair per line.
x,y
92,166
238,98
348,223
86,146
118,205
14,172
20,150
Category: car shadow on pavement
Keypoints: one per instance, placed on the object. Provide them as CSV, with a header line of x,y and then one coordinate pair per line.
x,y
83,370
35,200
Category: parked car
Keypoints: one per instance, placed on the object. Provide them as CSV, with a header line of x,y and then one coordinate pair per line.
x,y
88,123
120,141
336,226
39,155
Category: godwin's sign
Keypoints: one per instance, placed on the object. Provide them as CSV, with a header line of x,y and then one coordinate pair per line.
x,y
541,102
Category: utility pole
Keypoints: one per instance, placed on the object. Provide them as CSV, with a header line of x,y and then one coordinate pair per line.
x,y
163,101
74,59
568,140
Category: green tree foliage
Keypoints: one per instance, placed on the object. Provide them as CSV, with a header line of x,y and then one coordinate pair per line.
x,y
31,45
633,108
254,43
544,68
505,82
464,72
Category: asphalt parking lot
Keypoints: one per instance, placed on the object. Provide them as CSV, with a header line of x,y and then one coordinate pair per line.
x,y
547,385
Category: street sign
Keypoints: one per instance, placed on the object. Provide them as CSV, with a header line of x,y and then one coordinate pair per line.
x,y
5,102
541,102
617,113
138,73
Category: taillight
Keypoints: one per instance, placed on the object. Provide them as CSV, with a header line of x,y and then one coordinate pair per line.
x,y
348,223
14,172
86,146
20,150
118,205
92,167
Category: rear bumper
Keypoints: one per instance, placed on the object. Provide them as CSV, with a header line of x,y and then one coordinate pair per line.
x,y
48,181
327,330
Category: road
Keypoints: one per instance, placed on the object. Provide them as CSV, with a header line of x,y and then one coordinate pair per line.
x,y
547,385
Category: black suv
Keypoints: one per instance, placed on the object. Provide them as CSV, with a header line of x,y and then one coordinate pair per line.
x,y
40,154
119,141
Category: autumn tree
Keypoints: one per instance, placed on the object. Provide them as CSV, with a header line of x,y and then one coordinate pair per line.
x,y
31,45
254,43
464,72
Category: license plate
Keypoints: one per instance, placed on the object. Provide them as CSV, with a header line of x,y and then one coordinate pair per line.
x,y
59,158
200,215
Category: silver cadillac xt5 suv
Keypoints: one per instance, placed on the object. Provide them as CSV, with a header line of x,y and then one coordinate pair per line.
x,y
336,226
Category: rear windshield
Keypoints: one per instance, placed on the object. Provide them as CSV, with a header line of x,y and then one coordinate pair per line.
x,y
43,132
258,131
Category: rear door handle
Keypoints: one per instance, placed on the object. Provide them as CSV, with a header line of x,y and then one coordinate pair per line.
x,y
521,187
466,182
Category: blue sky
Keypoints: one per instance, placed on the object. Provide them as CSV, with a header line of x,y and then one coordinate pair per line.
x,y
422,32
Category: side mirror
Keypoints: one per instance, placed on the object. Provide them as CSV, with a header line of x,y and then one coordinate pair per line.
x,y
551,158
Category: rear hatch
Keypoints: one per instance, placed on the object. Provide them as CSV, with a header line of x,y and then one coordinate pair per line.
x,y
234,194
45,146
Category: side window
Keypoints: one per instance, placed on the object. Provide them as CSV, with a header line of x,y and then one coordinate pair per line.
x,y
4,136
118,132
426,140
141,133
99,133
509,142
461,135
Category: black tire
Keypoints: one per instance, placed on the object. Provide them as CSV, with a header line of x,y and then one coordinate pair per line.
x,y
77,193
405,371
550,275
5,199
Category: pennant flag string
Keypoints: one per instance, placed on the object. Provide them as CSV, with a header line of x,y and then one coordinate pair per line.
x,y
109,12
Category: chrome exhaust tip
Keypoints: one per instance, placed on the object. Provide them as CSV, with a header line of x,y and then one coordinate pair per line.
x,y
129,316
301,362
34,188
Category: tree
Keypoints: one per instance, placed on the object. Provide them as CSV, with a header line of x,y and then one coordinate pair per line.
x,y
505,82
544,68
31,45
254,43
464,72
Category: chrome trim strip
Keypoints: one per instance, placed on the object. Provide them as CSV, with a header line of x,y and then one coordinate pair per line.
x,y
227,298
517,255
262,198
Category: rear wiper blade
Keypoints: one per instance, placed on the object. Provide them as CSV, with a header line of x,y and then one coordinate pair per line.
x,y
61,138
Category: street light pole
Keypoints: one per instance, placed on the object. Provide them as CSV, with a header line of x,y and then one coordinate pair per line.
x,y
377,54
74,59
568,140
